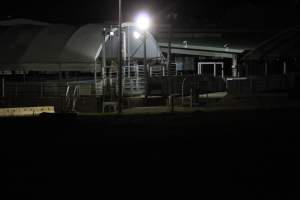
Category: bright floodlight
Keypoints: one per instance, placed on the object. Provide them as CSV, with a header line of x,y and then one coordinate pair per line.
x,y
143,21
136,35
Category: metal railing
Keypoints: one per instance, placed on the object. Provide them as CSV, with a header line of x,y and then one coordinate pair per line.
x,y
134,80
44,89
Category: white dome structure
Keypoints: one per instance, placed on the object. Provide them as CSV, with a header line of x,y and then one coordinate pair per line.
x,y
55,47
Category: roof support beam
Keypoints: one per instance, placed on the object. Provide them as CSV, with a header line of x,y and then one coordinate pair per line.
x,y
199,53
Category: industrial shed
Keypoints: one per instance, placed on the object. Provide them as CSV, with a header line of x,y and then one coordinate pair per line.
x,y
278,55
272,66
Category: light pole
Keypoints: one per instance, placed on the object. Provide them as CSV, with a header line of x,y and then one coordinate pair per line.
x,y
145,66
120,77
143,22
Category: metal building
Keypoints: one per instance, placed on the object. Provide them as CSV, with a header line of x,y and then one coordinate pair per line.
x,y
34,46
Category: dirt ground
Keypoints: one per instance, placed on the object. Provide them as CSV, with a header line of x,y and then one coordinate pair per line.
x,y
242,154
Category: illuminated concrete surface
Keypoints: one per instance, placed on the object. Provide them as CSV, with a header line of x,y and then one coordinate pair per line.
x,y
25,111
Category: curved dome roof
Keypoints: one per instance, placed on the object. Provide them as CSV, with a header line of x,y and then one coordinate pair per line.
x,y
48,45
15,42
62,47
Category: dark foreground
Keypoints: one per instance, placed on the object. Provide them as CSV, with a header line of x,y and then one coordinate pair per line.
x,y
205,155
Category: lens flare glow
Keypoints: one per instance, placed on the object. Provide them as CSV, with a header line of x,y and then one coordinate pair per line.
x,y
143,21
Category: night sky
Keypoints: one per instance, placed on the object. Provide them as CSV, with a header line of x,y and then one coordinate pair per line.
x,y
234,12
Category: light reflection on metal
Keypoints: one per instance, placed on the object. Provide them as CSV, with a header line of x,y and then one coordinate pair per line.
x,y
136,35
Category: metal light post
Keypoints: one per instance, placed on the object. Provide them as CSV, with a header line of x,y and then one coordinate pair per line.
x,y
145,66
143,22
120,60
104,49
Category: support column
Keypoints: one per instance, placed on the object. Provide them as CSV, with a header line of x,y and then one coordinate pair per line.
x,y
266,68
200,69
234,66
104,50
124,47
215,70
284,68
128,46
95,77
169,49
222,70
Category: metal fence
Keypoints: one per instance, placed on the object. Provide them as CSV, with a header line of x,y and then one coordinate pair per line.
x,y
183,84
44,89
249,85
